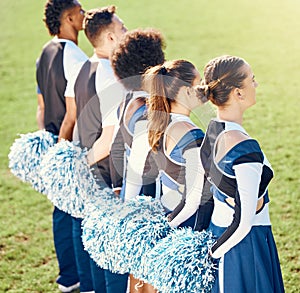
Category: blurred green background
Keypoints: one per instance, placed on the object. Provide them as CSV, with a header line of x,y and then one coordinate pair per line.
x,y
265,33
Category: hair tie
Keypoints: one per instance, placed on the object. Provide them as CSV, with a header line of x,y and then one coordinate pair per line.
x,y
219,81
163,70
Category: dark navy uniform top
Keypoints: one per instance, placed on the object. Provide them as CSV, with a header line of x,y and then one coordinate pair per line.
x,y
59,61
132,110
171,170
90,113
239,180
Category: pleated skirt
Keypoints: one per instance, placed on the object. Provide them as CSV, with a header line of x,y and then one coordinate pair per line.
x,y
250,266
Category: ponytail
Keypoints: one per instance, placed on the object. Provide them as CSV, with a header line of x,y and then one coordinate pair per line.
x,y
158,105
163,83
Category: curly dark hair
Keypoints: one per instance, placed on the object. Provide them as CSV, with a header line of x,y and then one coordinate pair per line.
x,y
53,11
137,51
96,20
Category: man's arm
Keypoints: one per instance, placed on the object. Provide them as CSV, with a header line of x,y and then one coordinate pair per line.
x,y
40,112
68,123
101,146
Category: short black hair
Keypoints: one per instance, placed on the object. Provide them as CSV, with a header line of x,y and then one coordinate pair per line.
x,y
53,12
96,20
137,51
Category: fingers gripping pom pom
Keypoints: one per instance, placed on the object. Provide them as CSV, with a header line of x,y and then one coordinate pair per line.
x,y
181,263
67,178
26,153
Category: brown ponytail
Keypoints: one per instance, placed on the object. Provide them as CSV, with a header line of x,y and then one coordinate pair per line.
x,y
158,105
163,82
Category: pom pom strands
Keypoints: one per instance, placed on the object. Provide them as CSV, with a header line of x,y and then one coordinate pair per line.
x,y
117,237
141,231
67,178
95,224
180,263
25,156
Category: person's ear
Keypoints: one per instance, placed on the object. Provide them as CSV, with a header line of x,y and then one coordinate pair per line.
x,y
69,17
190,91
238,93
110,36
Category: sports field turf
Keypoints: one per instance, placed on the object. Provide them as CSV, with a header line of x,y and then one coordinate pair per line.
x,y
264,32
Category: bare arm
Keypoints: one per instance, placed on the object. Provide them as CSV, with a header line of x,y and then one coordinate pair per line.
x,y
68,123
40,112
101,146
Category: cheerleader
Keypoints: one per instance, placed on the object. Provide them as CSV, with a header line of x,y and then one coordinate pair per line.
x,y
240,173
59,60
138,50
175,142
103,29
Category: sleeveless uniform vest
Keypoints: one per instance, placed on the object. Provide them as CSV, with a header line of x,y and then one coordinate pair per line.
x,y
89,118
121,147
221,174
171,171
52,84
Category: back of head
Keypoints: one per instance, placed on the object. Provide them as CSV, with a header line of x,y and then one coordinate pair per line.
x,y
53,12
221,76
137,51
164,82
97,20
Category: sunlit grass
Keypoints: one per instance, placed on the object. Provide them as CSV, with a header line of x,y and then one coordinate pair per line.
x,y
265,33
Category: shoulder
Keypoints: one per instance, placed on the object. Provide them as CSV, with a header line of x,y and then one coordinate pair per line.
x,y
179,129
73,52
238,147
232,138
133,106
228,141
184,133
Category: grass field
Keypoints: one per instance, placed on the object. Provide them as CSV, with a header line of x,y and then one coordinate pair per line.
x,y
265,33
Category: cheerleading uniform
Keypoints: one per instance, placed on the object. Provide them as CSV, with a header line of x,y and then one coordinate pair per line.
x,y
178,172
132,113
93,92
59,61
136,162
245,244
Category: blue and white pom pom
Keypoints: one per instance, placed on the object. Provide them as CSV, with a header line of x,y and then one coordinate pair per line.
x,y
109,230
139,232
67,178
100,212
25,156
180,263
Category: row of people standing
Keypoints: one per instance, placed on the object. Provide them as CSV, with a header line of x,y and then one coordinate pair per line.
x,y
68,82
217,181
178,154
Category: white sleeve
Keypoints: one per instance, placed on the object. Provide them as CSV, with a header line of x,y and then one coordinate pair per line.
x,y
136,162
110,92
111,118
194,177
248,176
73,60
